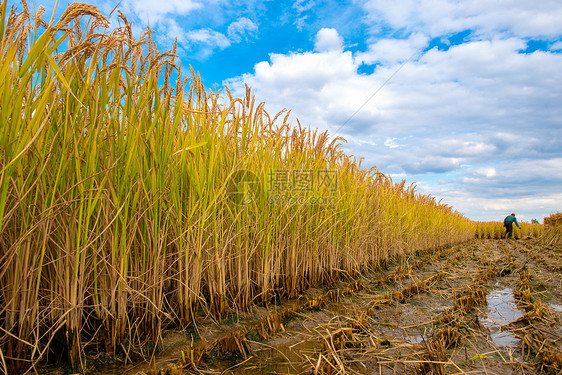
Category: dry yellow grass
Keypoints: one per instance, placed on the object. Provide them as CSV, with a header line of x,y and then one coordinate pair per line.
x,y
552,234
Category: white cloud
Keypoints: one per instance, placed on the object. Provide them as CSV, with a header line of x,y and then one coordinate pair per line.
x,y
328,40
242,29
303,5
173,31
431,163
155,11
438,17
391,51
207,37
391,142
487,172
537,170
364,142
203,42
308,76
476,86
556,46
455,145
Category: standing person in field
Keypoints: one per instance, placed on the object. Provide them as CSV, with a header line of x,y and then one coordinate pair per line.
x,y
508,224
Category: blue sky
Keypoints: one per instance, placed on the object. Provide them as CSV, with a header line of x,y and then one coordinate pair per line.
x,y
462,97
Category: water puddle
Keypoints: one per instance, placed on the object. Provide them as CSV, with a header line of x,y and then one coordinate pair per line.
x,y
501,310
556,307
415,339
282,357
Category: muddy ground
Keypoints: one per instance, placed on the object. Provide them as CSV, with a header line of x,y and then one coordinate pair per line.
x,y
482,307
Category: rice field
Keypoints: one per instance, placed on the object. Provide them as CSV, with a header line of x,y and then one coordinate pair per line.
x,y
482,306
136,205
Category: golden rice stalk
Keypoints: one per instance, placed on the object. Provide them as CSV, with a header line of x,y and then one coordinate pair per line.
x,y
122,205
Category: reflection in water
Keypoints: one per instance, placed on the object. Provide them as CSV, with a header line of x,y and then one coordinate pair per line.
x,y
501,310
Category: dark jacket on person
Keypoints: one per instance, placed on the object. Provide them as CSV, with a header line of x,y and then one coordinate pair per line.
x,y
511,219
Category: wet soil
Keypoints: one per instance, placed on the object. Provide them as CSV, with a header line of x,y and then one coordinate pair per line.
x,y
456,310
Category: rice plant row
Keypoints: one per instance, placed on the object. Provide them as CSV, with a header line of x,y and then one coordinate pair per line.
x,y
131,198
